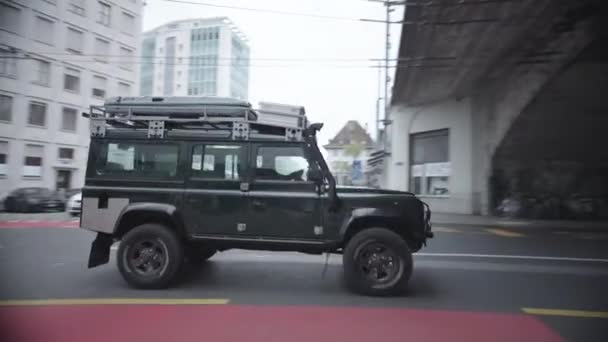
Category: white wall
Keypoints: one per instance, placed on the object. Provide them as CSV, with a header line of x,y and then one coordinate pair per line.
x,y
451,114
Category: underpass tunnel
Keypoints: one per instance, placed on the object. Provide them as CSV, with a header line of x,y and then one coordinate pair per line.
x,y
553,161
498,108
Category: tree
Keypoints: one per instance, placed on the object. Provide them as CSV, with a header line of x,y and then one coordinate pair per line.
x,y
353,150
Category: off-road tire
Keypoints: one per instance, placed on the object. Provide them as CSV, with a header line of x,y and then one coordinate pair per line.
x,y
173,250
354,276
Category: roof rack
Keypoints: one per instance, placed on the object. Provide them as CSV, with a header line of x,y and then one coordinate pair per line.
x,y
234,119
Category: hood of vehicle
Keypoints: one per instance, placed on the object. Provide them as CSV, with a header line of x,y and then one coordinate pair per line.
x,y
341,189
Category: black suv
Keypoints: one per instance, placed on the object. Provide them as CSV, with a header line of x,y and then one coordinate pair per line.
x,y
178,179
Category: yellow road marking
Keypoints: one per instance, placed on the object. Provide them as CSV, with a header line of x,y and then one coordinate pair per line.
x,y
115,301
445,230
567,313
504,232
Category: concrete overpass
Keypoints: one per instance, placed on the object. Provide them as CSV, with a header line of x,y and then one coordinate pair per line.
x,y
502,102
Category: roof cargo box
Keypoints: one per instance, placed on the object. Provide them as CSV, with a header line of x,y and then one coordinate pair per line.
x,y
183,107
282,114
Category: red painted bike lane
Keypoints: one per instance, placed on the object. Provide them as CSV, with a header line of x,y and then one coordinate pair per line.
x,y
116,323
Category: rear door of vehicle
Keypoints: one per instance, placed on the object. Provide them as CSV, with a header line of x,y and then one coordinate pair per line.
x,y
215,194
126,171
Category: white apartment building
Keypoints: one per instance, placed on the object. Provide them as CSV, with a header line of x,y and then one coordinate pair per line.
x,y
58,57
199,57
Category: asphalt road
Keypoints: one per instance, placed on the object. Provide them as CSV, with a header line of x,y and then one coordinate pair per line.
x,y
469,284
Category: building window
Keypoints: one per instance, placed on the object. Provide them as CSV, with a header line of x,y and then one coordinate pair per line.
x,y
32,163
71,80
76,6
102,50
37,115
10,18
127,23
105,13
3,158
99,86
8,63
124,89
430,163
127,55
69,118
45,30
42,75
75,40
6,108
66,153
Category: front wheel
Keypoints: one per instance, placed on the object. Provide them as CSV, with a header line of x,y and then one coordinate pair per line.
x,y
150,256
377,262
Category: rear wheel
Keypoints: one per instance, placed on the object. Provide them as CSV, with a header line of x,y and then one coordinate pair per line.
x,y
377,262
150,256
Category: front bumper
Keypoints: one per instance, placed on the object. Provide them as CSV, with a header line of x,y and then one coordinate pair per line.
x,y
427,221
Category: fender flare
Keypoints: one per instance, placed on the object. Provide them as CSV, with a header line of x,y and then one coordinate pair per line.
x,y
366,213
168,210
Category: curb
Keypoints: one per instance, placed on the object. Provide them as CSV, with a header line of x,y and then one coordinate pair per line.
x,y
583,226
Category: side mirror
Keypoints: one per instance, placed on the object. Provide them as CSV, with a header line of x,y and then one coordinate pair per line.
x,y
314,175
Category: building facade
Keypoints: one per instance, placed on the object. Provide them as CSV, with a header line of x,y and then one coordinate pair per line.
x,y
492,128
58,57
200,57
347,154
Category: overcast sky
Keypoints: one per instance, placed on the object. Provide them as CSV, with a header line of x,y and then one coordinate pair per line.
x,y
331,76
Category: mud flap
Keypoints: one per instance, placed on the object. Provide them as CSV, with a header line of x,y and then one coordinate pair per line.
x,y
100,250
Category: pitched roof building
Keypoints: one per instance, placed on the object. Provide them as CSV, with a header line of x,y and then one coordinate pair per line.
x,y
348,152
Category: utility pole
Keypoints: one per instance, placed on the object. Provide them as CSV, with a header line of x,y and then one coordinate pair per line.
x,y
378,99
387,78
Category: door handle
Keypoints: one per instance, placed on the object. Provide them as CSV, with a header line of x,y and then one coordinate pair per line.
x,y
260,205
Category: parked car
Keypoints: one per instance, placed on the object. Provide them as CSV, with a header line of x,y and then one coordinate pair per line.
x,y
2,199
71,192
73,205
33,200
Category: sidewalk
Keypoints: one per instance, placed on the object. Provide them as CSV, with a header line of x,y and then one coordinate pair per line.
x,y
442,219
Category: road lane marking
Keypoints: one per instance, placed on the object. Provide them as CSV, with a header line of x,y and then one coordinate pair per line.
x,y
116,301
504,256
503,232
566,313
446,230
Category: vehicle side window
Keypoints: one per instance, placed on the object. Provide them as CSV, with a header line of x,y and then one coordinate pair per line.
x,y
217,161
137,159
281,163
